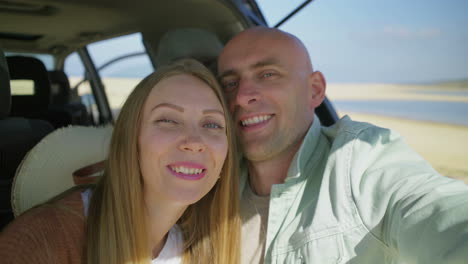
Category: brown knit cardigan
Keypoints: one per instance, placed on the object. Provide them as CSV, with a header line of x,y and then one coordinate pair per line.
x,y
51,233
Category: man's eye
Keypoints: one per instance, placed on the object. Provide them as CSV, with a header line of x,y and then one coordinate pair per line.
x,y
213,125
267,74
228,86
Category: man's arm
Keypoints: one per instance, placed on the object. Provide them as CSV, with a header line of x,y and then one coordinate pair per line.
x,y
419,214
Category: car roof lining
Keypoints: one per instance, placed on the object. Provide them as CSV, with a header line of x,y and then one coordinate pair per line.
x,y
71,24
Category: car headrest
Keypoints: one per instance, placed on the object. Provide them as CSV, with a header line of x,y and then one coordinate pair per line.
x,y
5,93
47,170
60,87
188,42
29,68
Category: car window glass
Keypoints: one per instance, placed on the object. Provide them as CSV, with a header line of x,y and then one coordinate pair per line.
x,y
22,87
275,10
122,62
80,87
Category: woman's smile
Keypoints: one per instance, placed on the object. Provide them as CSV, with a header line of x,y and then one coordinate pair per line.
x,y
187,170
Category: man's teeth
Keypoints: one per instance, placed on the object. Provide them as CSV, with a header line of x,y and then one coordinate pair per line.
x,y
255,120
186,170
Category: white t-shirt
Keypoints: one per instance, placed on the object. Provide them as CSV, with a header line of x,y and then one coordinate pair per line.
x,y
172,251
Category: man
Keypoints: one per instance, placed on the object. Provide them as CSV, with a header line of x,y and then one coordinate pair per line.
x,y
351,193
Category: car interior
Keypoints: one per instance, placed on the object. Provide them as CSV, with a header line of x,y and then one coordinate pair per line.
x,y
52,109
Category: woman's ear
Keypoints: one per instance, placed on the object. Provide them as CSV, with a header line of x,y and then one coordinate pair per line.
x,y
318,85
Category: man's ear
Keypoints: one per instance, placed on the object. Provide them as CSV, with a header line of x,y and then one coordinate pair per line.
x,y
318,85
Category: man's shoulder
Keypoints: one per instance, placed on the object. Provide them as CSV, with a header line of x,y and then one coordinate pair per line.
x,y
346,127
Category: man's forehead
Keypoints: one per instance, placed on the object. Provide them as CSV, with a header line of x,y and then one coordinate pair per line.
x,y
237,65
242,58
252,48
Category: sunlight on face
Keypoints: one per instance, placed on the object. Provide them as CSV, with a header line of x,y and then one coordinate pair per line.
x,y
182,141
268,92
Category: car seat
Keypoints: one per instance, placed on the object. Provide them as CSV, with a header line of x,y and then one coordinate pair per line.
x,y
62,99
195,43
54,165
17,136
37,104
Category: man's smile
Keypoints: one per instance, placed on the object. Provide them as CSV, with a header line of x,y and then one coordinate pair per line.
x,y
255,121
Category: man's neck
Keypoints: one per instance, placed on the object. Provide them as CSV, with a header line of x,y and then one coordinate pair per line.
x,y
263,174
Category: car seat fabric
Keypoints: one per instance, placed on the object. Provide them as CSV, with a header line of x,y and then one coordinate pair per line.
x,y
62,99
36,105
5,93
17,136
60,87
48,168
199,44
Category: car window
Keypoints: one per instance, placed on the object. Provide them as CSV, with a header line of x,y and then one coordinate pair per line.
x,y
22,87
80,87
122,62
275,10
398,64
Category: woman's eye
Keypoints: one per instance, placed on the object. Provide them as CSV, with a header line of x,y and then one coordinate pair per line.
x,y
165,120
213,125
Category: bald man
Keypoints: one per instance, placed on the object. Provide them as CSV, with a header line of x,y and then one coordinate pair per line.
x,y
350,193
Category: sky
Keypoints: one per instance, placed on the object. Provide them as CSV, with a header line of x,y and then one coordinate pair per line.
x,y
355,41
398,41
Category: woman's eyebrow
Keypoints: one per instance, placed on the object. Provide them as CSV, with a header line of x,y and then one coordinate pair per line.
x,y
213,111
173,106
181,109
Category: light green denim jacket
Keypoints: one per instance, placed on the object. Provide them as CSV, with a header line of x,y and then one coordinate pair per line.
x,y
356,193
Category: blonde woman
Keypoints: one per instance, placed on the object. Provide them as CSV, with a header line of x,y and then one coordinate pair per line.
x,y
169,193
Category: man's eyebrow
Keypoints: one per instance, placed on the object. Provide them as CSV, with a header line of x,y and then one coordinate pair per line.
x,y
260,64
226,73
173,106
265,62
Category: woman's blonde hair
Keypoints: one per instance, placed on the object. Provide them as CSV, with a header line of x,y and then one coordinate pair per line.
x,y
117,231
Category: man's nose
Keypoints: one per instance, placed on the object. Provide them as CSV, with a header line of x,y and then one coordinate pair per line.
x,y
247,93
192,143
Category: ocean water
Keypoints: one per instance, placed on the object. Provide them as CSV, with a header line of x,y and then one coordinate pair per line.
x,y
436,92
435,111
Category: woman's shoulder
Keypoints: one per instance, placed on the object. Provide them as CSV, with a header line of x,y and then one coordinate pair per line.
x,y
56,227
67,206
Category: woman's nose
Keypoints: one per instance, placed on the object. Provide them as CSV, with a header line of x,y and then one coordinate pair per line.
x,y
193,144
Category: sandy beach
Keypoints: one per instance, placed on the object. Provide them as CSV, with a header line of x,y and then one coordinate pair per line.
x,y
445,146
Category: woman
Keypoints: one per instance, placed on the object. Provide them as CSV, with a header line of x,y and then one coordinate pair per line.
x,y
169,190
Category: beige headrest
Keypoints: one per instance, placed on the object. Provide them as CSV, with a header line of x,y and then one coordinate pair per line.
x,y
47,169
188,42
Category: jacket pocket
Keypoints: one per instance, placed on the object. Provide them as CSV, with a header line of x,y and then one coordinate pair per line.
x,y
323,247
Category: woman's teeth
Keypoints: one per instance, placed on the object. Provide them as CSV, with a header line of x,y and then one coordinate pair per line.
x,y
186,170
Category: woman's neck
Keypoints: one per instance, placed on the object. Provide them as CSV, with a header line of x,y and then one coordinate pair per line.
x,y
161,218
